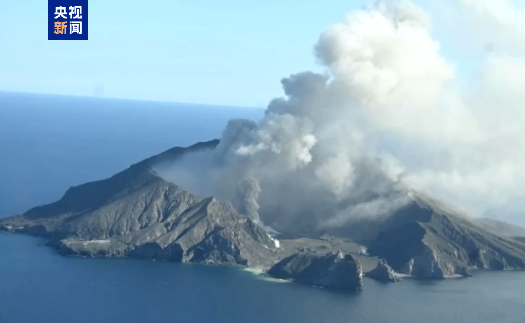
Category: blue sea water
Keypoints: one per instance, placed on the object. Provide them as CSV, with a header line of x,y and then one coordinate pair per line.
x,y
49,143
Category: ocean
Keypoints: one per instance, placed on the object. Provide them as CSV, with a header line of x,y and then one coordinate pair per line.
x,y
49,143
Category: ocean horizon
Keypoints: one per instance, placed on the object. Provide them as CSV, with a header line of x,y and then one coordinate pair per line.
x,y
50,143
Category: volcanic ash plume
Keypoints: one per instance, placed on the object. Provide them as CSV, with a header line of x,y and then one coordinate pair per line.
x,y
248,193
388,107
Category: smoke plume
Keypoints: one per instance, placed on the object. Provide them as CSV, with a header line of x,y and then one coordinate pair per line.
x,y
248,193
390,111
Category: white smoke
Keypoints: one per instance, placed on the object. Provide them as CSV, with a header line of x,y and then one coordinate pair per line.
x,y
389,109
248,194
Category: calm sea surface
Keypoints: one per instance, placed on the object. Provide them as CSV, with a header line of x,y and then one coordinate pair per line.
x,y
50,143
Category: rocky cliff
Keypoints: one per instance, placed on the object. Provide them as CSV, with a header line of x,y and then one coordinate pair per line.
x,y
431,240
138,214
335,270
383,272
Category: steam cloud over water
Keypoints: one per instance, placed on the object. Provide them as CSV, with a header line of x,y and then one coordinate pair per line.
x,y
389,112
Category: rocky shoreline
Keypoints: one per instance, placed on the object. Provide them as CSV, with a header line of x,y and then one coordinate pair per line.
x,y
335,270
138,214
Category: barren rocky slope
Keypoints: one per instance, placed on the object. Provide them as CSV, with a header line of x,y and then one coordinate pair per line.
x,y
429,239
333,270
136,213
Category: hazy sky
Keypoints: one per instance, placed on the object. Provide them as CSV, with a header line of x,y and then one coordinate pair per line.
x,y
219,52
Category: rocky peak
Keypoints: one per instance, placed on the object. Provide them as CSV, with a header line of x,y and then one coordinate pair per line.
x,y
383,272
335,270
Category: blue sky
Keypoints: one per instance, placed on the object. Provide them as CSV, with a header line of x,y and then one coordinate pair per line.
x,y
228,52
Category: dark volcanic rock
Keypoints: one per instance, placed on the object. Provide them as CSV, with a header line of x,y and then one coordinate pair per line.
x,y
332,270
154,251
136,213
431,240
383,272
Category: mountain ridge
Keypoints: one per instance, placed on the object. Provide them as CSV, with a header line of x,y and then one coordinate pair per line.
x,y
136,213
115,216
444,243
